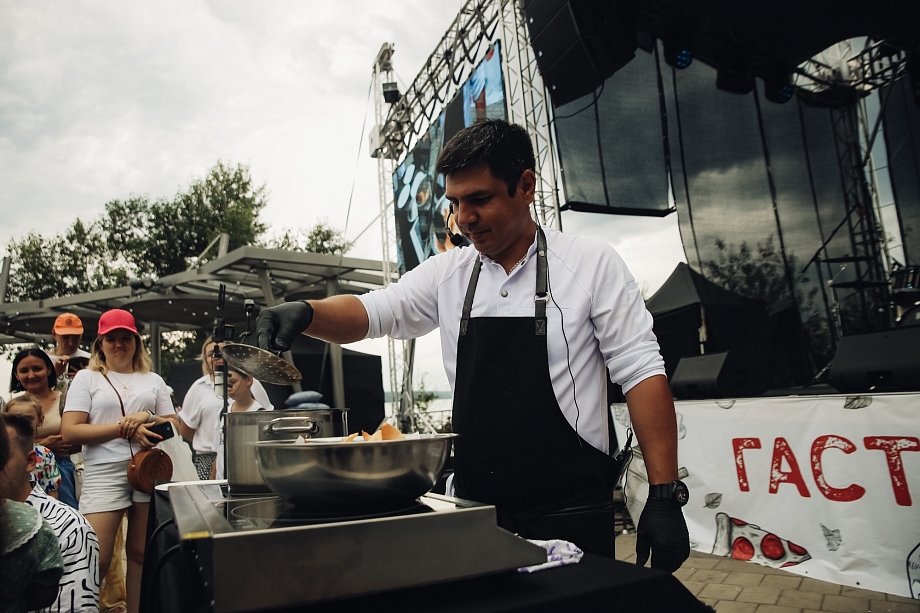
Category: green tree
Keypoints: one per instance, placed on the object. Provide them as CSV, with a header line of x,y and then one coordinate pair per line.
x,y
321,238
137,237
422,398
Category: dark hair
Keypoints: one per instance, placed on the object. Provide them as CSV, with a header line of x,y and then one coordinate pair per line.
x,y
505,147
242,373
25,433
4,448
35,352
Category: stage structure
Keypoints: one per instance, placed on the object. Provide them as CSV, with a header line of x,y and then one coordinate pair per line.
x,y
619,131
484,66
645,124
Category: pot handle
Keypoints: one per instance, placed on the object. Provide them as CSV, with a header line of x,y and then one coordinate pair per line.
x,y
293,425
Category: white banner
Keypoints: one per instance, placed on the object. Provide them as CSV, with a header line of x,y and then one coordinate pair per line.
x,y
822,486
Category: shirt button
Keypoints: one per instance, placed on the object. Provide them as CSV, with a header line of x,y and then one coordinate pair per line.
x,y
504,293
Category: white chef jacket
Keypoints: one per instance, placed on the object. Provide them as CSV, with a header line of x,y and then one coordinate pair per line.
x,y
593,296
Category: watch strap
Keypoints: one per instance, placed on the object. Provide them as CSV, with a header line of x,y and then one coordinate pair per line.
x,y
662,490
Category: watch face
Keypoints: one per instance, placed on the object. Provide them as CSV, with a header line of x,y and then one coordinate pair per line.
x,y
681,493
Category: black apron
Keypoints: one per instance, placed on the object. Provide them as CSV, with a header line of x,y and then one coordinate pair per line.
x,y
516,450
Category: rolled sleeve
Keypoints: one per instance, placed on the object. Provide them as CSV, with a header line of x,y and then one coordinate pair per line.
x,y
407,308
623,326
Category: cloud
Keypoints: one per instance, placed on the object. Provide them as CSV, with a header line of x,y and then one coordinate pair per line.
x,y
99,101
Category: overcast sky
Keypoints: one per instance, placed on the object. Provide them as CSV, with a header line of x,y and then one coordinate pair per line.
x,y
103,100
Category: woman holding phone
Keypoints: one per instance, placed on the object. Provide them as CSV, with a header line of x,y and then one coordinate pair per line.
x,y
110,406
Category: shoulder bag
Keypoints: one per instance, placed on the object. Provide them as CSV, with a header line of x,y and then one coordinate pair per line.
x,y
147,466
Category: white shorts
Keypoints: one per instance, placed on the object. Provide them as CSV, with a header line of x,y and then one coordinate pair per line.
x,y
105,488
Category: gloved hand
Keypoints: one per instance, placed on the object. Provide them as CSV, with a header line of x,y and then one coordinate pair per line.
x,y
278,326
662,529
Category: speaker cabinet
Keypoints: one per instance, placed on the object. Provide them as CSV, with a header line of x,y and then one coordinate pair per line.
x,y
578,44
879,361
718,375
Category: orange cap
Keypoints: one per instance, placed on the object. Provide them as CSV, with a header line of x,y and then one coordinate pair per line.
x,y
67,323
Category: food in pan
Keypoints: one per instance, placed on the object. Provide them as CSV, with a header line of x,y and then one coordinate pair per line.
x,y
385,433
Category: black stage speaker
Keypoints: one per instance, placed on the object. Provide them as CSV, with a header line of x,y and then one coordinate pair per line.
x,y
718,375
578,44
879,361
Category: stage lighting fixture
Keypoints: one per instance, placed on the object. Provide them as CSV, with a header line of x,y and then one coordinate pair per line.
x,y
778,89
677,52
391,93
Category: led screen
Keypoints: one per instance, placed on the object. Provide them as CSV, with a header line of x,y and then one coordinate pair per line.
x,y
421,209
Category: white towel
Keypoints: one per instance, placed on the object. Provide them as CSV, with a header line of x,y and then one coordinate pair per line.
x,y
558,553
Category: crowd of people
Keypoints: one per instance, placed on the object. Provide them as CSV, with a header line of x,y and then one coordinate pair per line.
x,y
70,428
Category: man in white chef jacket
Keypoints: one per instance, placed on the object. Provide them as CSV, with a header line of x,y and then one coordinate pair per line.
x,y
530,320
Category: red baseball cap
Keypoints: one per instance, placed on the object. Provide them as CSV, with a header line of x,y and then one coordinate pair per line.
x,y
116,319
67,323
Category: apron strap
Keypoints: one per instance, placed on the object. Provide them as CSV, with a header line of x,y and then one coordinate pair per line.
x,y
468,301
540,297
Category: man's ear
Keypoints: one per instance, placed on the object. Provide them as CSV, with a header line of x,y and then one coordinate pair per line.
x,y
528,184
31,461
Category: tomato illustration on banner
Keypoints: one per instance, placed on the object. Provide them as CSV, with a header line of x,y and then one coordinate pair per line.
x,y
740,540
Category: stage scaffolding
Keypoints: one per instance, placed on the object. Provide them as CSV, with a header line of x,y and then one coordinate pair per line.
x,y
400,125
840,78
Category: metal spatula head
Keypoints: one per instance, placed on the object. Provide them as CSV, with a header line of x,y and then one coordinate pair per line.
x,y
264,366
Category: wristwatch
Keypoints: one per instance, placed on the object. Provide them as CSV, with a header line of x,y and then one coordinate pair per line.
x,y
675,490
153,416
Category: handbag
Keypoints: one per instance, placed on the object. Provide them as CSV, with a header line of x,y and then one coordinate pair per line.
x,y
147,466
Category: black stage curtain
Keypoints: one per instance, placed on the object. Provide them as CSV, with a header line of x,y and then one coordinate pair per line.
x,y
611,152
756,186
902,136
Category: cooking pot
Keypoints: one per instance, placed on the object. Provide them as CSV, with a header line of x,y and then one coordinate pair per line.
x,y
252,426
332,475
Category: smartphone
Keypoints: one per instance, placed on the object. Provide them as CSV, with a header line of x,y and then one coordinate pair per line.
x,y
164,429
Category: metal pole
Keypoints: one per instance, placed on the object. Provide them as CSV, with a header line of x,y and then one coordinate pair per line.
x,y
224,245
155,341
398,360
335,357
270,302
4,277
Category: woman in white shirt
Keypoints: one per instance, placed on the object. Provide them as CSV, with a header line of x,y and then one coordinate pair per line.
x,y
198,420
240,391
118,372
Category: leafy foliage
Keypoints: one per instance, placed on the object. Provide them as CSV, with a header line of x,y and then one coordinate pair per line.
x,y
321,238
139,237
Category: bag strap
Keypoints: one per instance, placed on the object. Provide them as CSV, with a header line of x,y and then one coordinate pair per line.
x,y
121,405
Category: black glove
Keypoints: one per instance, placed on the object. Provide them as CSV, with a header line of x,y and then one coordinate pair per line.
x,y
278,326
662,529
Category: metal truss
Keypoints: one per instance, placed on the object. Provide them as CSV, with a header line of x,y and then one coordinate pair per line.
x,y
400,354
840,78
466,42
877,65
528,105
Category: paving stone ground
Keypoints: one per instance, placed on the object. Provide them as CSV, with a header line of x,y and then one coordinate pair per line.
x,y
732,586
